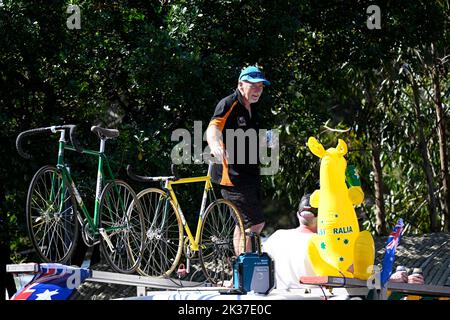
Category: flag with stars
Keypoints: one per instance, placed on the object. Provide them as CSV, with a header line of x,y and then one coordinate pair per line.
x,y
54,281
389,256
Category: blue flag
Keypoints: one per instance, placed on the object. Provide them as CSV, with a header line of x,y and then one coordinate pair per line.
x,y
389,256
54,281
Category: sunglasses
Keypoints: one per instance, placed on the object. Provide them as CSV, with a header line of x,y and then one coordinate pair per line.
x,y
308,209
259,75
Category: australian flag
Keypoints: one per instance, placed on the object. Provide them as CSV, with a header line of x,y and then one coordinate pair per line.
x,y
54,281
389,256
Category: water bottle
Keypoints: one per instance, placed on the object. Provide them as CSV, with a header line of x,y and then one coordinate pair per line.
x,y
401,268
269,138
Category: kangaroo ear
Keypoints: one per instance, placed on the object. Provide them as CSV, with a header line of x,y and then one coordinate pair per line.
x,y
356,195
314,199
341,147
315,147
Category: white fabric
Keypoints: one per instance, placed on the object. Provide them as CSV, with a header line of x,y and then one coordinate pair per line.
x,y
288,249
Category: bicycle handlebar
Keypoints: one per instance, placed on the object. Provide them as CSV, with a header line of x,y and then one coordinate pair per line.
x,y
135,177
52,129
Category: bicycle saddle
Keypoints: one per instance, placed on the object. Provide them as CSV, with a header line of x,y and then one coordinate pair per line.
x,y
105,133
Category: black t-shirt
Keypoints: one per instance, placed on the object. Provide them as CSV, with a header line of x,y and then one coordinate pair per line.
x,y
240,136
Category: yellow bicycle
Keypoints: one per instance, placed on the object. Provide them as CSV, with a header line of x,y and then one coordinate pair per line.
x,y
219,237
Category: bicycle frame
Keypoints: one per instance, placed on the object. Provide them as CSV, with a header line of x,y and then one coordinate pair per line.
x,y
102,161
194,242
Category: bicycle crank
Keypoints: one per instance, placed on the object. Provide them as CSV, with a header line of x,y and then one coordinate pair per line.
x,y
88,236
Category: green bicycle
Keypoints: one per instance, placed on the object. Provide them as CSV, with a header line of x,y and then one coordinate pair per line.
x,y
52,213
219,237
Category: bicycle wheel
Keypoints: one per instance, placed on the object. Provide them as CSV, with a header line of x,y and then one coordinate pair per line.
x,y
163,233
123,223
218,243
51,216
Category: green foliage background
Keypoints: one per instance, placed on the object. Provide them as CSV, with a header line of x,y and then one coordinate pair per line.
x,y
150,67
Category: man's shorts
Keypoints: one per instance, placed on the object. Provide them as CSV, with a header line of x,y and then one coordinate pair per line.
x,y
248,201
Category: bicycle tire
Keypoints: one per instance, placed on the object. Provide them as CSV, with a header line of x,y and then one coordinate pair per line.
x,y
122,219
163,234
53,233
218,245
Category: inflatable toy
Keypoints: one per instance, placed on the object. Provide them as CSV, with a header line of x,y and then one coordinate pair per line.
x,y
339,248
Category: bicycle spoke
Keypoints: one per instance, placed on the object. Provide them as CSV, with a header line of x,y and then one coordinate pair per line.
x,y
123,223
50,216
163,234
217,241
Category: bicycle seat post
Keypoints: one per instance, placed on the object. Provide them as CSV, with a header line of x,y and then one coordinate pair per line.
x,y
102,145
210,168
98,188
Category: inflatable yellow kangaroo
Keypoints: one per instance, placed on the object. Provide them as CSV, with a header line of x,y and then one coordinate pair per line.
x,y
339,248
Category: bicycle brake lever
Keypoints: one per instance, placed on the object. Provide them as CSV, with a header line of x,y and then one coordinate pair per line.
x,y
174,170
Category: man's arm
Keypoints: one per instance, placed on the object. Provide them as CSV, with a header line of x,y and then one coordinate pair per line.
x,y
215,142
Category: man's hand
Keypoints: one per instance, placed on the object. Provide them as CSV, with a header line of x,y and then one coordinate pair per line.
x,y
219,153
214,138
399,276
416,279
